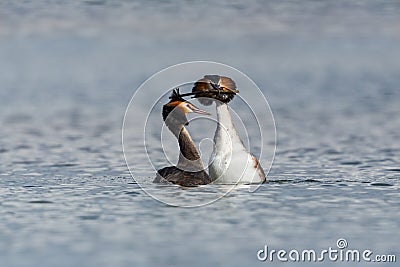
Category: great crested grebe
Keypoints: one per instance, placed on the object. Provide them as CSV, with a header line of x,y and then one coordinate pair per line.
x,y
230,161
189,170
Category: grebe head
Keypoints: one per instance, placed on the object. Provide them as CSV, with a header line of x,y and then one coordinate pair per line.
x,y
221,88
177,108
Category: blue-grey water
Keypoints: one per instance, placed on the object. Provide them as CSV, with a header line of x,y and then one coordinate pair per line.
x,y
330,71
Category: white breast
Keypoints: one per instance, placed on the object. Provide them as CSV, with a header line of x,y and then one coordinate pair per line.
x,y
230,162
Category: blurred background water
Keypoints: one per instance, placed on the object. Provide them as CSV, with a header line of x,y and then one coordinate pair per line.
x,y
330,70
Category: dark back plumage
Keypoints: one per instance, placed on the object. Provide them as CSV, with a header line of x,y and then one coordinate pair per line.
x,y
180,177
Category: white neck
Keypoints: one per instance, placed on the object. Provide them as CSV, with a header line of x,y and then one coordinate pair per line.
x,y
226,133
231,162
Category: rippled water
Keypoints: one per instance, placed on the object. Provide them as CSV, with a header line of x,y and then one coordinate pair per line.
x,y
68,69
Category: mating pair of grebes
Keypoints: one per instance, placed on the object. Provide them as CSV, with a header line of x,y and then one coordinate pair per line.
x,y
230,162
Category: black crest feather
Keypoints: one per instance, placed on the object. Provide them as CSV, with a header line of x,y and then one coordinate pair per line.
x,y
176,96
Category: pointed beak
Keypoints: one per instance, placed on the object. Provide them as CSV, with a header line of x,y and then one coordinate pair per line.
x,y
219,88
199,111
232,90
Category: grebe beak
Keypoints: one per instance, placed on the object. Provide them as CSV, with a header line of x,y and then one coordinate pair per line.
x,y
232,90
221,88
198,111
